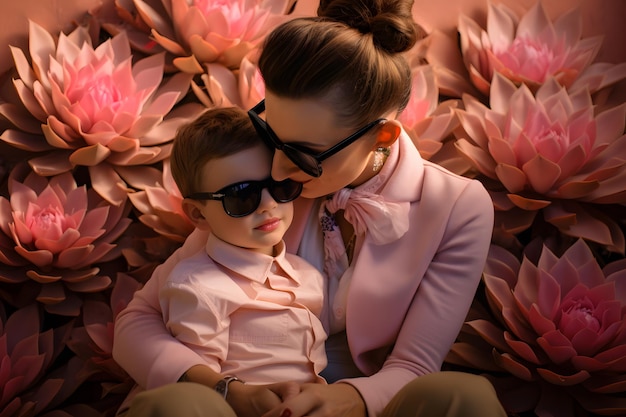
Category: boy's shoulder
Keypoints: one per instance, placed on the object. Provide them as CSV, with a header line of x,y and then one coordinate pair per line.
x,y
195,265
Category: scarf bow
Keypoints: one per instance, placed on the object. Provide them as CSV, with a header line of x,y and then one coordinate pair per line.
x,y
384,221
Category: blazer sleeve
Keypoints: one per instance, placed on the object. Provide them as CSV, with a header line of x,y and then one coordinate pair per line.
x,y
441,301
142,345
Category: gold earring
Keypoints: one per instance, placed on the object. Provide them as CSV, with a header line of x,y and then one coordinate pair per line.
x,y
380,156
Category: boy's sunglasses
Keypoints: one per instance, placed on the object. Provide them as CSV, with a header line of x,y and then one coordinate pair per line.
x,y
308,161
243,198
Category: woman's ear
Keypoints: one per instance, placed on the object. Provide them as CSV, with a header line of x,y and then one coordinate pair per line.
x,y
193,210
388,133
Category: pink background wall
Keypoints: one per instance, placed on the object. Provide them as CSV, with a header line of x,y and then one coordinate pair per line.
x,y
605,17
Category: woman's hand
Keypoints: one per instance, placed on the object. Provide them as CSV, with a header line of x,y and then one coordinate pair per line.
x,y
246,399
320,400
254,400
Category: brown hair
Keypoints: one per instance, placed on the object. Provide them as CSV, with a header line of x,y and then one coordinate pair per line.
x,y
350,56
216,133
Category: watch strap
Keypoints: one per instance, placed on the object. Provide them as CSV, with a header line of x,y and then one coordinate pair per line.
x,y
222,386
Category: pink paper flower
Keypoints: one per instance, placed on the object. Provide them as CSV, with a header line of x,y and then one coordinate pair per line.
x,y
197,32
557,327
28,386
529,50
251,84
224,88
441,51
94,107
145,249
161,207
548,152
219,87
93,341
430,123
54,233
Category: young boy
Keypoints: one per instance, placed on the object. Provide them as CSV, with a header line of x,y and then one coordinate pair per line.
x,y
242,303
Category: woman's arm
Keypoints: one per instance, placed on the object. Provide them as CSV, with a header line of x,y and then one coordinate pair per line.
x,y
442,300
433,319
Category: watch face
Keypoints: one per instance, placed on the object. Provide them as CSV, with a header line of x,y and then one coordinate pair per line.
x,y
222,386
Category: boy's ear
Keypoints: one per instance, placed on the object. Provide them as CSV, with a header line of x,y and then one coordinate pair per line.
x,y
193,210
388,133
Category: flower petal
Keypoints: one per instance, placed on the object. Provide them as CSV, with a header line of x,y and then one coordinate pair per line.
x,y
542,174
563,380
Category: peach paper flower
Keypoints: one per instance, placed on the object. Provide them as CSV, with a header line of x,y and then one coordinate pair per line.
x,y
93,107
549,152
219,87
251,84
529,50
198,32
54,233
161,207
557,327
224,88
145,249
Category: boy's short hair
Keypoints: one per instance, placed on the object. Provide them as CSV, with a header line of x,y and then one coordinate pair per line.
x,y
216,133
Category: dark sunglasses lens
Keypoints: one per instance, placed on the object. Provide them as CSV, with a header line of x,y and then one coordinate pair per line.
x,y
285,191
242,199
305,162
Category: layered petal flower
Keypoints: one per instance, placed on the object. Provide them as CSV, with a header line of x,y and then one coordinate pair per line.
x,y
529,50
54,233
28,384
93,341
251,84
557,327
219,87
441,51
93,107
161,207
549,152
430,123
224,88
197,32
145,249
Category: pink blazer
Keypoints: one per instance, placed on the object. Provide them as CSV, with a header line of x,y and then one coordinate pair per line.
x,y
407,300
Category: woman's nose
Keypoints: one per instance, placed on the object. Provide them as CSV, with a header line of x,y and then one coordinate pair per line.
x,y
282,167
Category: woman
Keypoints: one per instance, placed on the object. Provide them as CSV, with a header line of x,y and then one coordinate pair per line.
x,y
401,240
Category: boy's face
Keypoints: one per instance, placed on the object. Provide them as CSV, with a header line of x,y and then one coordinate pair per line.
x,y
259,231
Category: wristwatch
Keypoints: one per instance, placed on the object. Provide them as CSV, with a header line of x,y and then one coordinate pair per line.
x,y
222,386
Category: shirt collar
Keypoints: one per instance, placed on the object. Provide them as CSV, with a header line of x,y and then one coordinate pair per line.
x,y
252,265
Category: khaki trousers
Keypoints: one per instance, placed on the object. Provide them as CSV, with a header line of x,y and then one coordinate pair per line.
x,y
441,394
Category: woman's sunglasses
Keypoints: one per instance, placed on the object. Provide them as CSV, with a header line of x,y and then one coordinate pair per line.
x,y
308,161
243,198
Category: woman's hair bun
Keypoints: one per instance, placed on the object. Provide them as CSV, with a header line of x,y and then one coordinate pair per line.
x,y
390,22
